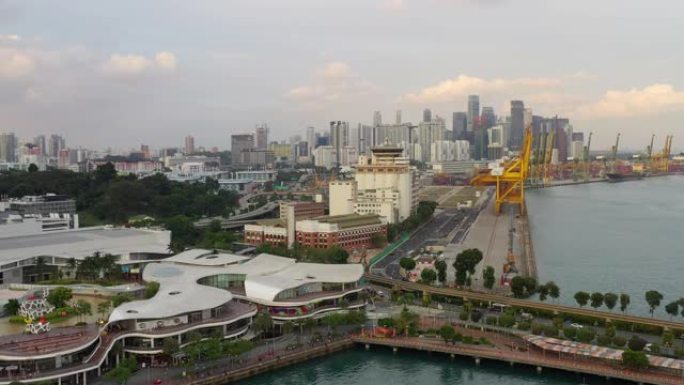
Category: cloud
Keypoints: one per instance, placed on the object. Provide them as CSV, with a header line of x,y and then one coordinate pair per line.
x,y
393,6
334,82
650,100
131,65
9,38
463,85
15,64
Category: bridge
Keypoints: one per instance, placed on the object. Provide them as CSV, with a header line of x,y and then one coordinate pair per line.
x,y
510,301
515,351
240,219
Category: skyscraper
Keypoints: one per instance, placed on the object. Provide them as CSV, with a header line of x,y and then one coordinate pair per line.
x,y
427,115
261,141
239,143
398,119
473,111
488,118
459,125
8,144
40,142
189,145
517,124
365,138
377,118
311,139
55,145
339,138
428,133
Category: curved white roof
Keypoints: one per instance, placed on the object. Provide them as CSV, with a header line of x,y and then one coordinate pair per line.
x,y
206,258
178,293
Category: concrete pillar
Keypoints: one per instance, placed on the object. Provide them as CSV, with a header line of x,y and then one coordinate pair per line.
x,y
77,376
179,339
59,380
152,343
99,371
85,378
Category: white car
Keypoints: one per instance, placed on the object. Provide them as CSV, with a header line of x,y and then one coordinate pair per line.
x,y
576,326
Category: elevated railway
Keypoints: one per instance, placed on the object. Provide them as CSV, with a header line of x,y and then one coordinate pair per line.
x,y
510,301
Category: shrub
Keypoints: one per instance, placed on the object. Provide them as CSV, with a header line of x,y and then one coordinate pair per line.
x,y
458,337
463,316
506,320
636,343
467,339
537,328
570,332
550,331
603,340
558,322
524,326
610,331
475,316
636,360
586,335
491,320
386,322
679,353
655,348
619,341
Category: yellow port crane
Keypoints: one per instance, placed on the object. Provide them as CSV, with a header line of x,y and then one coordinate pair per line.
x,y
509,178
660,163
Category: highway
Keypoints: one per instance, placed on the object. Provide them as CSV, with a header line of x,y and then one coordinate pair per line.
x,y
510,301
239,219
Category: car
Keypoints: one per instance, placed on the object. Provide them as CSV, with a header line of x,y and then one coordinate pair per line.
x,y
647,348
380,293
576,326
157,381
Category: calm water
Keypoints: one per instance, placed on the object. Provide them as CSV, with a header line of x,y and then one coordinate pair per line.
x,y
380,366
621,237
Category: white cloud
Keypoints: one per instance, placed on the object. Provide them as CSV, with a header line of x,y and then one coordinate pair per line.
x,y
15,64
9,38
463,85
393,5
130,65
334,82
650,100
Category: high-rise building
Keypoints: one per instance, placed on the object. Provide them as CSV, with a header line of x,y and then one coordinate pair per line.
x,y
398,118
145,150
339,137
8,145
239,143
366,138
427,115
488,117
559,128
428,133
41,144
517,125
577,146
311,139
189,145
377,118
473,112
56,144
261,137
459,126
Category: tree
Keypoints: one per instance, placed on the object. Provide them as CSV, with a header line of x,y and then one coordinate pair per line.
x,y
428,276
406,320
406,299
407,264
569,332
378,240
441,267
12,306
586,335
668,338
447,333
105,173
543,291
103,308
170,346
624,301
518,286
59,296
32,168
488,277
653,299
83,308
151,289
610,299
596,300
636,343
634,360
672,309
554,290
465,264
121,298
582,297
263,322
123,371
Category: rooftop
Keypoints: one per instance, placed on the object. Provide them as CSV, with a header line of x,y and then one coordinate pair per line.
x,y
350,220
206,258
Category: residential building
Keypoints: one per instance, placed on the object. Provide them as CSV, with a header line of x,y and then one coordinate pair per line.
x,y
398,118
238,144
189,148
577,146
8,145
311,139
473,112
41,144
377,118
515,137
350,232
428,133
366,138
427,115
447,150
256,158
339,139
459,126
342,197
56,143
329,157
261,137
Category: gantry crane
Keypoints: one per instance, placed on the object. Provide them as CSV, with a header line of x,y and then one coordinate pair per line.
x,y
509,178
587,159
614,151
660,163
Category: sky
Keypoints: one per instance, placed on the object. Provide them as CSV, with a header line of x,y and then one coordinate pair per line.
x,y
126,72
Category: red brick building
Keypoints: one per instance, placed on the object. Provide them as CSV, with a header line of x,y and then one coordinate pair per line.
x,y
351,232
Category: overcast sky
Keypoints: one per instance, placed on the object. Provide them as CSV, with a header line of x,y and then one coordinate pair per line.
x,y
120,73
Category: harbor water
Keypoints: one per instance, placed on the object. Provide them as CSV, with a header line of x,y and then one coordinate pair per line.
x,y
612,237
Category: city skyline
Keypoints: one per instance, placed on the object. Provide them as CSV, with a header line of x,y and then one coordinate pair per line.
x,y
102,84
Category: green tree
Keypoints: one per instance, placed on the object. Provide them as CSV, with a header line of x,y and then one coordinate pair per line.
x,y
121,298
634,360
151,289
488,277
58,297
170,346
32,168
428,276
378,240
596,300
465,264
103,308
586,335
263,323
610,299
441,267
12,306
582,298
624,301
123,371
406,321
653,299
554,290
447,333
543,291
83,309
668,338
105,173
518,286
407,264
406,299
672,309
569,332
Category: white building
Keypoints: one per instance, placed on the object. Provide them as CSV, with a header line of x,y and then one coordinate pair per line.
x,y
326,156
428,133
342,197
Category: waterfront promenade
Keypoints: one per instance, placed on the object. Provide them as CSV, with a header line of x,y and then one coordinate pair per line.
x,y
529,304
515,351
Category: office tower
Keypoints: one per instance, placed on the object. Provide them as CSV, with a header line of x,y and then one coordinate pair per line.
x,y
560,140
311,138
377,118
398,119
56,144
355,137
577,147
40,142
365,138
8,144
459,126
189,145
428,133
261,138
427,115
488,118
517,124
339,138
239,143
473,112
